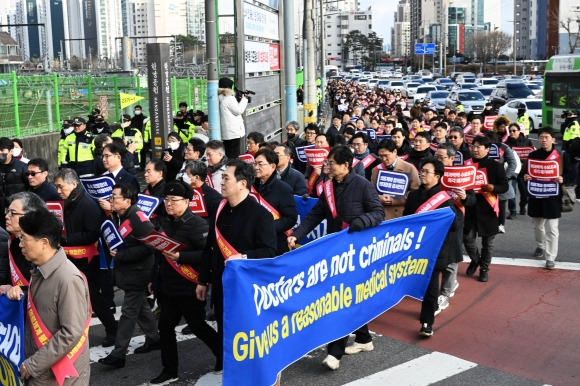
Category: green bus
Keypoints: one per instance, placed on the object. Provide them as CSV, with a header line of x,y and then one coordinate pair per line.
x,y
561,89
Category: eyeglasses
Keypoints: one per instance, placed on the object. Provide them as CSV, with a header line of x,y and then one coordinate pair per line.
x,y
454,137
172,200
358,144
105,156
12,213
189,149
33,173
113,198
383,156
329,163
25,241
260,164
425,171
514,131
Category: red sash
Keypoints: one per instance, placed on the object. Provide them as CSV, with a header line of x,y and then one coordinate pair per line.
x,y
412,133
366,161
64,368
225,248
492,200
434,202
457,201
311,181
381,166
468,162
184,270
467,128
16,277
268,207
320,189
197,204
329,194
434,146
404,157
208,180
82,251
553,156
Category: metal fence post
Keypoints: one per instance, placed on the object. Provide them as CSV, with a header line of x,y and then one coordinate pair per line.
x,y
56,98
174,92
15,98
116,88
139,85
189,92
90,92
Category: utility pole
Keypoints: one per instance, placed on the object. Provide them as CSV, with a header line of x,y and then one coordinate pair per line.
x,y
310,75
213,107
289,61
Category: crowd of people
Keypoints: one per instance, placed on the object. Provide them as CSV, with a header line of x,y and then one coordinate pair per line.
x,y
247,211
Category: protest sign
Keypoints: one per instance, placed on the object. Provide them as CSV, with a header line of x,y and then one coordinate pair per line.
x,y
161,242
458,177
247,158
197,204
392,183
300,152
543,170
111,236
541,189
304,206
316,156
523,152
57,208
147,203
99,187
11,340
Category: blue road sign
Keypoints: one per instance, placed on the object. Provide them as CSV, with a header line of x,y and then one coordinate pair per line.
x,y
430,48
419,49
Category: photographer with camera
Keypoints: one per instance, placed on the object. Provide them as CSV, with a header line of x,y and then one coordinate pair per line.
x,y
231,121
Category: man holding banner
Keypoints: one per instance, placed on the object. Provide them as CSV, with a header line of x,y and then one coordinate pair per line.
x,y
241,229
178,274
58,307
482,219
544,178
348,200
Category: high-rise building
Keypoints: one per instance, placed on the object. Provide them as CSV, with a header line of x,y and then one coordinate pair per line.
x,y
196,19
337,26
401,31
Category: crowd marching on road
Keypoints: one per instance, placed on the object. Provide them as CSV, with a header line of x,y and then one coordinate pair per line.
x,y
249,212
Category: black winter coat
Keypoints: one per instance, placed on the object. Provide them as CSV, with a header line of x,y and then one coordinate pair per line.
x,y
295,180
133,264
547,207
157,191
355,198
293,144
124,177
481,216
4,263
192,231
46,191
248,227
212,199
416,158
82,221
280,196
415,199
12,180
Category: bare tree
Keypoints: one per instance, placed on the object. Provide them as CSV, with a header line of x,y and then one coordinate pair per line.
x,y
498,42
479,45
573,37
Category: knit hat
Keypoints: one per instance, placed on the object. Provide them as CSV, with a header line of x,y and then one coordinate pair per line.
x,y
225,83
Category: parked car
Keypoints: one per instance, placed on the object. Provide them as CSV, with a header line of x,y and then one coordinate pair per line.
x,y
505,91
486,91
436,99
465,79
536,89
445,82
372,84
394,85
422,91
533,108
382,84
486,82
464,86
363,81
409,90
472,100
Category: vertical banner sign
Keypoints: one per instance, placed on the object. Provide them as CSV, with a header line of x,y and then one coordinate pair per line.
x,y
104,107
11,340
277,310
159,84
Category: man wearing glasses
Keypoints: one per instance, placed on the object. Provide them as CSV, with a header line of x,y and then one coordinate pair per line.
x,y
363,155
11,173
456,138
37,180
133,266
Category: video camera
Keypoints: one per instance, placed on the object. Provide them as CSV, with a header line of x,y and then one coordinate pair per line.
x,y
569,113
239,94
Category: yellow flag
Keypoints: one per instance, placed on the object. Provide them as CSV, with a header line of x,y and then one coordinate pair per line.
x,y
128,99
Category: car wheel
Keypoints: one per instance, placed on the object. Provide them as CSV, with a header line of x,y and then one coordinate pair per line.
x,y
532,127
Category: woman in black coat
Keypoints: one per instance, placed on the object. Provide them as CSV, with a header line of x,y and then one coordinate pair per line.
x,y
174,155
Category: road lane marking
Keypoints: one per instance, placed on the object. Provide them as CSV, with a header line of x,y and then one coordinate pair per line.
x,y
425,370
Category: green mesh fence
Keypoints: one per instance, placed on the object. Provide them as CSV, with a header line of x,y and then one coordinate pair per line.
x,y
38,104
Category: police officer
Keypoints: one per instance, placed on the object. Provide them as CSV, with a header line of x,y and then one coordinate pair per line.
x,y
100,126
67,128
523,118
571,127
130,135
183,127
79,145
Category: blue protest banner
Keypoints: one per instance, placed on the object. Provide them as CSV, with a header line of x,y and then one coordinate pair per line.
x,y
277,310
371,134
392,183
99,187
111,236
147,203
541,189
301,154
383,136
304,206
458,160
11,340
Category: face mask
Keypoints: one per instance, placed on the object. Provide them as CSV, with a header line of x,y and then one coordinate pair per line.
x,y
16,152
291,136
68,130
3,157
137,112
173,145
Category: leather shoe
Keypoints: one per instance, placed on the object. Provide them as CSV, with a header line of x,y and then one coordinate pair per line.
x,y
112,361
472,268
109,340
483,275
148,346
